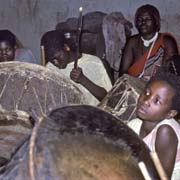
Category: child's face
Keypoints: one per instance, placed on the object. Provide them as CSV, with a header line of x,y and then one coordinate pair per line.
x,y
7,52
154,103
60,59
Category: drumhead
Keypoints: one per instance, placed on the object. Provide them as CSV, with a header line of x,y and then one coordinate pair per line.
x,y
35,89
80,142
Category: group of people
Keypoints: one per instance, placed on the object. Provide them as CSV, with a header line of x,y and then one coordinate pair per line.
x,y
149,55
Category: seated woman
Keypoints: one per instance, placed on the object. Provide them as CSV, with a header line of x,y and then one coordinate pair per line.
x,y
9,50
146,51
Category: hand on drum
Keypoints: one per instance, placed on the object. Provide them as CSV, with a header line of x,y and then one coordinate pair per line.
x,y
77,75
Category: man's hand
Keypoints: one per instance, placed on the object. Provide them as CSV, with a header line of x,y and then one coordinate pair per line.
x,y
77,75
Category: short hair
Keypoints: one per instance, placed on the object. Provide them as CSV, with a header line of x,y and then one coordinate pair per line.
x,y
6,35
53,41
152,10
174,82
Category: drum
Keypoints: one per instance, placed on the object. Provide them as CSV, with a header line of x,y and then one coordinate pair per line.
x,y
122,98
15,128
29,91
35,89
80,142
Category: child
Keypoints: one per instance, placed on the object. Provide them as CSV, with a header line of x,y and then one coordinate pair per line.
x,y
91,75
9,50
157,106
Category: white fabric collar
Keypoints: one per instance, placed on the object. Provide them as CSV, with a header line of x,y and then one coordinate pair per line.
x,y
148,42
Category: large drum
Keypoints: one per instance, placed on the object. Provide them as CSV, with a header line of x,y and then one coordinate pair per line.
x,y
29,91
35,89
80,143
121,100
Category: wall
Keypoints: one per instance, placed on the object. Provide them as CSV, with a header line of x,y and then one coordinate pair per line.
x,y
29,19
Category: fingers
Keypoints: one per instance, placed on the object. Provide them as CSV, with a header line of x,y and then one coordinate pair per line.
x,y
76,74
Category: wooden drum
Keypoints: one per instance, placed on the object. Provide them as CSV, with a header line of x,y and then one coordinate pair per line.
x,y
35,89
29,91
122,98
80,143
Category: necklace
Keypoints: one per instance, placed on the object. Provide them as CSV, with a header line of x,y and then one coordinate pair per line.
x,y
148,42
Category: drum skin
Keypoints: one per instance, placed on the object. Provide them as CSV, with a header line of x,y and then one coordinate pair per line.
x,y
121,100
80,142
35,89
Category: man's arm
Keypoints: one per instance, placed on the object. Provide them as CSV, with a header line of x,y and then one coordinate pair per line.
x,y
127,57
77,76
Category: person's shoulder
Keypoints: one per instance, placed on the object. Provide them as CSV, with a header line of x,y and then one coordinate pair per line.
x,y
133,40
25,55
169,124
21,51
88,58
168,38
134,37
168,132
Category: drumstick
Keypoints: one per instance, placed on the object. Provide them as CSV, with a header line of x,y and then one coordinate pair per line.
x,y
43,62
78,38
144,171
158,165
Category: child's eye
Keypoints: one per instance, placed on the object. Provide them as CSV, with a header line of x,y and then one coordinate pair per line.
x,y
156,101
147,93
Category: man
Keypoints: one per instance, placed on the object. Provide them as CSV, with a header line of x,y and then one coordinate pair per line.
x,y
145,52
93,80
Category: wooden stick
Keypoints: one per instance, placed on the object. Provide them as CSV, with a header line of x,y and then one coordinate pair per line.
x,y
43,61
144,171
78,38
158,165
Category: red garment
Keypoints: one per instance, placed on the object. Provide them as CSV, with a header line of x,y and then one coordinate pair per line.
x,y
154,60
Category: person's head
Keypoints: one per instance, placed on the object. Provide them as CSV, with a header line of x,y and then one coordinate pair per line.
x,y
56,50
160,98
147,19
7,45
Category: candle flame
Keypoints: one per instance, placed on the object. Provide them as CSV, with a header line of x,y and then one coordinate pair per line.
x,y
80,9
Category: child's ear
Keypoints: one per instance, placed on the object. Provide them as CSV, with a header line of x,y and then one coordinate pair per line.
x,y
66,48
171,114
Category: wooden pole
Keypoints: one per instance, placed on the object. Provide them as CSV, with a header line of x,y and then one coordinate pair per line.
x,y
43,61
158,165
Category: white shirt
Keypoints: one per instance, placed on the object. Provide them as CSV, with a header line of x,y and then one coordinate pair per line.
x,y
94,69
